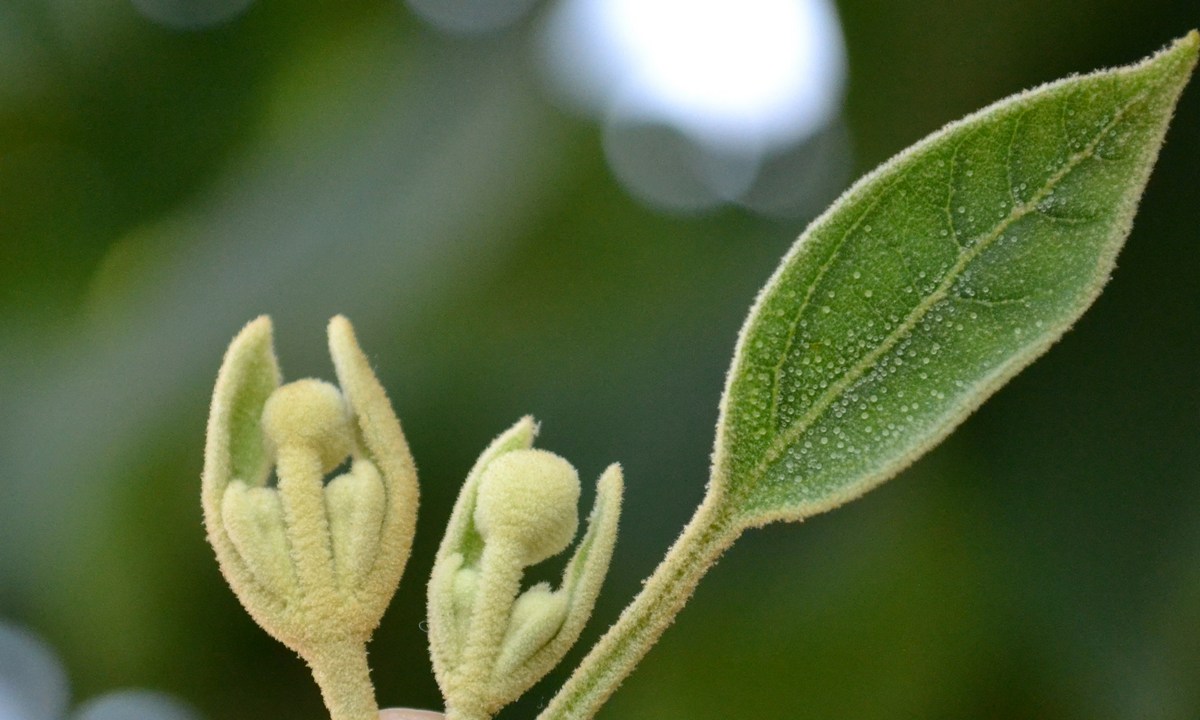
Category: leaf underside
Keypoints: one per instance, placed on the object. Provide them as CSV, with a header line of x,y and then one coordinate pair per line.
x,y
933,281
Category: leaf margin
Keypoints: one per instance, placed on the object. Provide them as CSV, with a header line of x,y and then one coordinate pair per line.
x,y
1179,56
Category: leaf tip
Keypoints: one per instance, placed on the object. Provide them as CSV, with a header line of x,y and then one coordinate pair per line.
x,y
1187,47
1191,41
1178,58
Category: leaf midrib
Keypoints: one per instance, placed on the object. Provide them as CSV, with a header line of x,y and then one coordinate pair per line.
x,y
793,432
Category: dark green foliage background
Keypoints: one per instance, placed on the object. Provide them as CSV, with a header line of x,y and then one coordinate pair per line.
x,y
157,190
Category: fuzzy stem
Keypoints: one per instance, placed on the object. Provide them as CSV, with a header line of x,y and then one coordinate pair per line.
x,y
340,669
709,533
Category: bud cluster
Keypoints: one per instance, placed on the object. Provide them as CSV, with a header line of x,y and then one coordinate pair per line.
x,y
491,641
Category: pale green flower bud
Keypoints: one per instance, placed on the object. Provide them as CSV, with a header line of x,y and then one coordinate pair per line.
x,y
310,414
489,641
314,563
528,498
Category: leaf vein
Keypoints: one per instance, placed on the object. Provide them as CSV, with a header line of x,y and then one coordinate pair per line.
x,y
782,441
988,302
789,341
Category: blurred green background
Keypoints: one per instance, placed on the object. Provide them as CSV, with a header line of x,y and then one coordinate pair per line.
x,y
159,188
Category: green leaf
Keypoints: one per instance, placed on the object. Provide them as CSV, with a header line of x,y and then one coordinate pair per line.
x,y
923,289
933,281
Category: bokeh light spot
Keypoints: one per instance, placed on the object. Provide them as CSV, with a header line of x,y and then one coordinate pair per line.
x,y
135,705
738,80
33,684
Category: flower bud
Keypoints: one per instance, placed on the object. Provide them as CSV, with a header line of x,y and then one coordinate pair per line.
x,y
489,641
311,414
529,498
314,563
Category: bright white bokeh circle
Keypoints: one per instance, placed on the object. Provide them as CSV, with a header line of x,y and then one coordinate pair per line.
x,y
758,74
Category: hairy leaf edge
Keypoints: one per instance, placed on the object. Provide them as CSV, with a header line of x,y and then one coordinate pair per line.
x,y
1183,47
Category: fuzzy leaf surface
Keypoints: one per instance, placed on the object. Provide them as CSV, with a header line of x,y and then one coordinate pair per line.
x,y
933,281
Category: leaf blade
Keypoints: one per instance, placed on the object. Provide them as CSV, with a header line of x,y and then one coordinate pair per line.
x,y
932,282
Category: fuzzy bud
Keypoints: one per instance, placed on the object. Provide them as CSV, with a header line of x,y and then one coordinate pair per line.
x,y
489,640
315,560
529,498
312,414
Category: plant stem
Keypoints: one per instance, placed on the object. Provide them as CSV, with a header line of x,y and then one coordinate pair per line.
x,y
708,534
340,669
